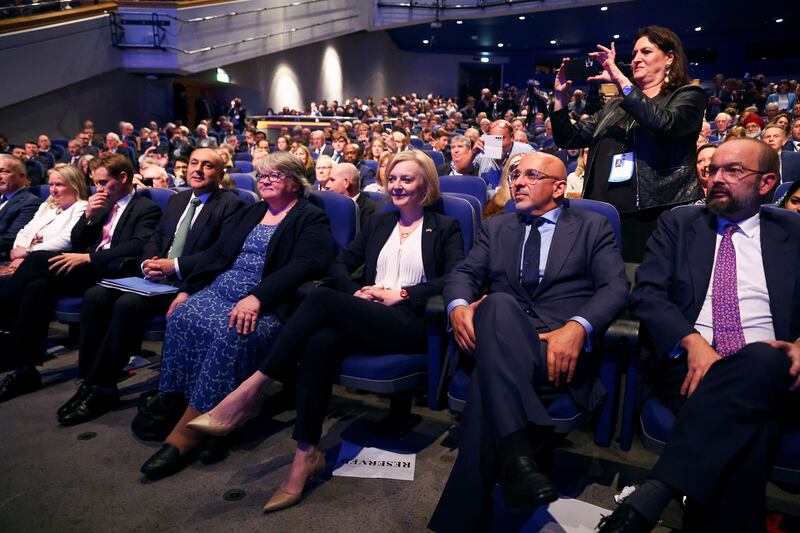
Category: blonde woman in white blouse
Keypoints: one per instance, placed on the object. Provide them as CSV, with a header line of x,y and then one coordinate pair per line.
x,y
405,254
52,224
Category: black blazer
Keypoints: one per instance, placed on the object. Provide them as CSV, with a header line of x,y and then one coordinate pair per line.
x,y
673,279
584,276
366,208
133,230
13,217
300,250
442,249
219,209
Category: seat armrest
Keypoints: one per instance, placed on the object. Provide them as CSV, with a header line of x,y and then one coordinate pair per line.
x,y
434,307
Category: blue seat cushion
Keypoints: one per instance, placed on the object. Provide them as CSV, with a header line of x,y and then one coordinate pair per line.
x,y
69,304
383,367
789,455
459,385
156,323
657,420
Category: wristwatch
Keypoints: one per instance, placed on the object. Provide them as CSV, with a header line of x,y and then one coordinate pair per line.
x,y
404,294
627,90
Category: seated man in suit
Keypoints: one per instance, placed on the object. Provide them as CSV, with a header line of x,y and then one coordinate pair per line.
x,y
113,322
723,122
344,180
556,280
116,226
461,157
351,155
775,136
17,203
489,168
793,142
719,294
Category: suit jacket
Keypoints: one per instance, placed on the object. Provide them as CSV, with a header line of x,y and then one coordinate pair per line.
x,y
219,209
584,275
365,174
790,166
300,250
15,215
442,249
672,282
789,146
367,207
133,229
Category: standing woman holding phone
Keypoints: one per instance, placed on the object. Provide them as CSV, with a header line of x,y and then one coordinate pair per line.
x,y
641,146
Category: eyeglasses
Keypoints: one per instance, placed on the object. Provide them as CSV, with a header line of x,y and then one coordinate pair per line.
x,y
531,176
733,170
272,177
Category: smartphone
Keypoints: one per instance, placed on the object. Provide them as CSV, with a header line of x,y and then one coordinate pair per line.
x,y
580,68
147,182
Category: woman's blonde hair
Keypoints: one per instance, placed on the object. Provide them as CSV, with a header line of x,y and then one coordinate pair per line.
x,y
430,178
74,179
307,160
381,177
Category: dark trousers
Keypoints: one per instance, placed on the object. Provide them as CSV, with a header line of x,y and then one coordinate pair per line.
x,y
508,391
112,326
328,325
28,301
726,437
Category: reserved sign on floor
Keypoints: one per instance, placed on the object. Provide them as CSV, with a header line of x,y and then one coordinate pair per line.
x,y
358,461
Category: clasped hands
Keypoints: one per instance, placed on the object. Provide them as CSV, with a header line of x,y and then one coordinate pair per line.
x,y
375,293
157,268
564,344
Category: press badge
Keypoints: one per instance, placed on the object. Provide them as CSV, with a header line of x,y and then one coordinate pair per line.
x,y
621,167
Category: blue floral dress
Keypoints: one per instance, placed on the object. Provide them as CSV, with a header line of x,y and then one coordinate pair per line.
x,y
204,359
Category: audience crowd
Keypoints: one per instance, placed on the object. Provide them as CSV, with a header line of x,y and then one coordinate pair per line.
x,y
542,283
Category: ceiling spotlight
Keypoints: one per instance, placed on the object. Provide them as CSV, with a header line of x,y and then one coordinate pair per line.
x,y
522,17
553,41
604,8
616,36
778,20
499,45
459,22
425,41
484,60
698,28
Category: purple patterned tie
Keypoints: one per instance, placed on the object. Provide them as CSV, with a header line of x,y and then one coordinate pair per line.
x,y
728,333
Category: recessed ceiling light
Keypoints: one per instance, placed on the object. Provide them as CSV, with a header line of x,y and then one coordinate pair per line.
x,y
553,41
499,45
484,53
484,60
425,41
778,20
459,22
473,37
522,17
698,28
763,58
604,8
616,36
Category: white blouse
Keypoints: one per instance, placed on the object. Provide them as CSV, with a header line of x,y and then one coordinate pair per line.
x,y
53,226
400,264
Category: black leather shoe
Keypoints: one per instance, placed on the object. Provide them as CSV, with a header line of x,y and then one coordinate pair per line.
x,y
14,384
94,403
624,519
215,449
77,398
158,414
165,462
524,486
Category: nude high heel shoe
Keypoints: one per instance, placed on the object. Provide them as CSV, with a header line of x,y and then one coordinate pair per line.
x,y
282,499
204,424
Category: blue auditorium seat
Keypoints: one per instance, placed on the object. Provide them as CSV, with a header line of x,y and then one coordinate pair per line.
x,y
248,197
244,166
477,210
426,147
50,157
35,171
244,181
159,196
243,156
375,196
602,208
472,185
341,211
781,190
416,142
571,167
438,157
42,191
371,163
63,143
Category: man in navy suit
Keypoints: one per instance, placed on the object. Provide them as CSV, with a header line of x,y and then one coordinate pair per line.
x,y
775,136
112,321
555,281
719,295
793,143
17,203
116,226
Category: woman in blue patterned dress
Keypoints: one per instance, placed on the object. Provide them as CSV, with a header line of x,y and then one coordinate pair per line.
x,y
217,332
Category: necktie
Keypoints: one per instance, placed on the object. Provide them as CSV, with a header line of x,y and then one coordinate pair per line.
x,y
2,199
179,242
112,216
529,278
727,322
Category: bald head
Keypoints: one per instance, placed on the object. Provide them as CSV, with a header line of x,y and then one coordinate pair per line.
x,y
205,170
538,184
344,179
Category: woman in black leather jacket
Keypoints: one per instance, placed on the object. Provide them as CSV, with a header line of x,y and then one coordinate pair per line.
x,y
641,146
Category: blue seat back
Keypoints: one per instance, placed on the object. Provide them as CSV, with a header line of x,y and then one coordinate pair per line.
x,y
780,191
371,163
472,185
60,142
35,171
477,209
457,208
244,181
42,191
159,196
341,211
248,197
438,158
244,166
243,156
571,167
607,210
416,142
